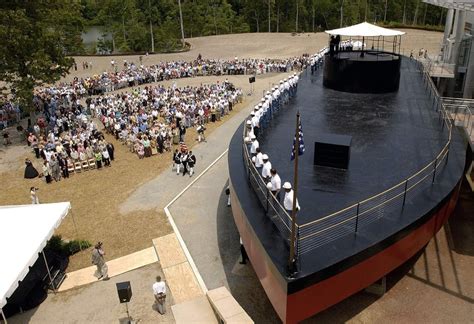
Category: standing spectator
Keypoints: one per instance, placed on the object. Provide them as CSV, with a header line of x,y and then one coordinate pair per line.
x,y
34,196
110,149
200,130
106,157
99,261
159,291
98,159
30,171
55,168
63,164
46,171
182,132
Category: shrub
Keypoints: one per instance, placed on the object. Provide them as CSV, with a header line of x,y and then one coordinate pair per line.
x,y
56,243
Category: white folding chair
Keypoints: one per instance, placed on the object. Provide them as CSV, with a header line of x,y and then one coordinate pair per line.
x,y
77,167
85,165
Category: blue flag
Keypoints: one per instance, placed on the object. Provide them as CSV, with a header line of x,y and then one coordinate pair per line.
x,y
301,140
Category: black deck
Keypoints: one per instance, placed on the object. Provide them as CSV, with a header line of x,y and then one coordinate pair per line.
x,y
393,136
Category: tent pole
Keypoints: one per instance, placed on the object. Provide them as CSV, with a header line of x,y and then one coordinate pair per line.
x,y
75,229
49,272
3,316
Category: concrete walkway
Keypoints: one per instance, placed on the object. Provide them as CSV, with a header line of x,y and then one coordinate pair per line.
x,y
116,267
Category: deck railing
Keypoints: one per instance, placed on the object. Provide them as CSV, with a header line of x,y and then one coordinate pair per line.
x,y
350,219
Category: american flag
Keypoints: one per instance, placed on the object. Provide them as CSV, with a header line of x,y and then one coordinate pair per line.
x,y
301,141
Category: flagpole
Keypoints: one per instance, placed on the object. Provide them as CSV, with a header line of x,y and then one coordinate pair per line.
x,y
291,263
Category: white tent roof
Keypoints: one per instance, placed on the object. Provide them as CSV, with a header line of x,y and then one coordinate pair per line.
x,y
24,231
364,30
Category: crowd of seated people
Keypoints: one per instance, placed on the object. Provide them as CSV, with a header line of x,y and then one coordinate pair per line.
x,y
134,75
151,119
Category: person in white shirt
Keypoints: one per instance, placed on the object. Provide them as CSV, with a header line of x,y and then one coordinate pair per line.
x,y
255,145
267,166
159,290
275,181
288,200
259,159
34,196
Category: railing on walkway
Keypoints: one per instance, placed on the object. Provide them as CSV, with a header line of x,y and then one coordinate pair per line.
x,y
462,112
350,219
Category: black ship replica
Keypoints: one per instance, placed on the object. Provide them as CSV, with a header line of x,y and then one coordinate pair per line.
x,y
379,177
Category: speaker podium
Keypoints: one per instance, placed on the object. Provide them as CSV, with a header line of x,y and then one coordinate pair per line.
x,y
332,150
124,290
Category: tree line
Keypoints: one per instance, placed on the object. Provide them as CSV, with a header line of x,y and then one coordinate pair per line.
x,y
154,25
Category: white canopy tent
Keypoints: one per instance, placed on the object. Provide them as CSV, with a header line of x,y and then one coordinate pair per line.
x,y
366,30
24,232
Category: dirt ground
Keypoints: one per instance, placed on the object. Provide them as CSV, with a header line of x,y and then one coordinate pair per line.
x,y
95,195
254,45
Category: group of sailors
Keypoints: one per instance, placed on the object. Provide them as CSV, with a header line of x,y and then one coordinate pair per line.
x,y
259,120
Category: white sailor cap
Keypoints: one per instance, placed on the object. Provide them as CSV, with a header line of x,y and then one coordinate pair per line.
x,y
281,81
265,157
268,92
260,105
287,185
252,137
247,139
252,114
263,99
284,79
249,122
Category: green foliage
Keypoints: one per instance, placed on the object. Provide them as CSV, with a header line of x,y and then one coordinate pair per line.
x,y
57,244
129,20
36,36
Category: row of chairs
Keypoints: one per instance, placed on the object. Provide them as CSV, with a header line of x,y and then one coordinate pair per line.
x,y
78,167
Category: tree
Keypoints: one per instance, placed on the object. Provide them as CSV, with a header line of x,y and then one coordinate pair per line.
x,y
36,36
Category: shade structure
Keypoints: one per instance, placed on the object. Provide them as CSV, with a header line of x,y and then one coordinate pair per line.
x,y
364,30
24,232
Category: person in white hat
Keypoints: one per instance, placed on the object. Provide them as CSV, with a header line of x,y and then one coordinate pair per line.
x,y
256,123
288,200
267,166
255,145
250,132
259,159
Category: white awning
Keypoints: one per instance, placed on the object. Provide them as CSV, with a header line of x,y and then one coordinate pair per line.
x,y
364,30
24,232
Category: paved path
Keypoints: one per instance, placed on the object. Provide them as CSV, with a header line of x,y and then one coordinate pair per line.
x,y
116,267
99,303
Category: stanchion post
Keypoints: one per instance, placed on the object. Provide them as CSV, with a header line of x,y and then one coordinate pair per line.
x,y
434,170
357,218
405,191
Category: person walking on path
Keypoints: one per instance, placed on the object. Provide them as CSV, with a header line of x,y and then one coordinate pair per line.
x,y
159,290
99,261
